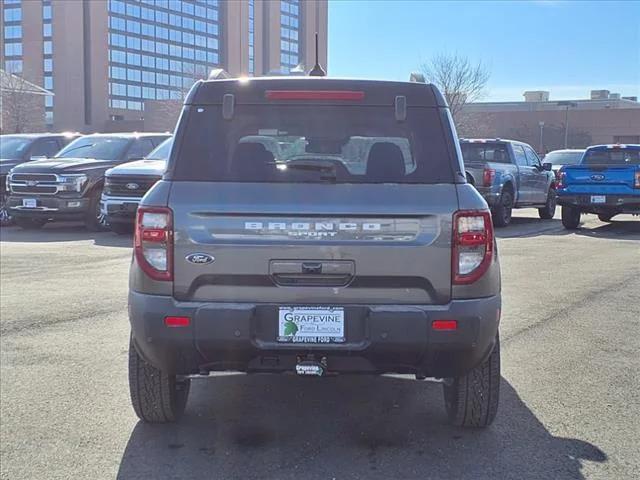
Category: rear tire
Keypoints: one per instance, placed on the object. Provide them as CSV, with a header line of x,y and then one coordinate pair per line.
x,y
471,400
606,217
29,223
157,397
502,211
121,228
570,217
549,210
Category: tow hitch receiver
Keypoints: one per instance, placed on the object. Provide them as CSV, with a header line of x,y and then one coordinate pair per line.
x,y
311,367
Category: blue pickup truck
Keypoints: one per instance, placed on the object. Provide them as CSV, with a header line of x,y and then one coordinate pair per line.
x,y
606,182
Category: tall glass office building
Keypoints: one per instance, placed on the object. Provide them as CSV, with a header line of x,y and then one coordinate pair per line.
x,y
158,48
110,61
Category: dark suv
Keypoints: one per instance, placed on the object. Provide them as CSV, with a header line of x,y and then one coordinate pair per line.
x,y
315,226
68,186
27,147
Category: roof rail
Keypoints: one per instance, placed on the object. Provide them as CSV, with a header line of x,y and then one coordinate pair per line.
x,y
417,77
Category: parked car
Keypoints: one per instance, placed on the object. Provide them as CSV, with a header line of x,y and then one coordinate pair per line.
x,y
68,186
20,148
606,182
509,174
126,184
333,257
560,158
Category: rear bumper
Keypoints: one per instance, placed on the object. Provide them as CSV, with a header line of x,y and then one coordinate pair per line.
x,y
49,207
617,203
379,339
491,197
119,209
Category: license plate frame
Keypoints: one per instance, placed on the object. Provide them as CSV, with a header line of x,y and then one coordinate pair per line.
x,y
598,199
29,203
311,324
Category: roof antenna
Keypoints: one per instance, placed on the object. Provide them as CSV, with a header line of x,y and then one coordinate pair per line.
x,y
317,70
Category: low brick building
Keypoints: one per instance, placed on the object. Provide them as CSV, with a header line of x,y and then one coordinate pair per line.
x,y
603,118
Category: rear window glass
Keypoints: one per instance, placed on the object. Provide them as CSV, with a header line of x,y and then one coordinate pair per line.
x,y
485,152
324,143
618,156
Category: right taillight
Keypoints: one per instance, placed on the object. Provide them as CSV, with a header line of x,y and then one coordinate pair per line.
x,y
472,245
153,243
488,175
637,182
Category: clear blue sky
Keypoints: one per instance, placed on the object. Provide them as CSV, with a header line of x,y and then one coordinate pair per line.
x,y
567,47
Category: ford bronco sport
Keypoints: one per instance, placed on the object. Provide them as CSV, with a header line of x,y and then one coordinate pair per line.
x,y
315,226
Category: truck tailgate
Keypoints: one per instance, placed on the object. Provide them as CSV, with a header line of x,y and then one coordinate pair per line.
x,y
604,179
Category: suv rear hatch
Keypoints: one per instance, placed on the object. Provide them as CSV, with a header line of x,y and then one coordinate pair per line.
x,y
313,197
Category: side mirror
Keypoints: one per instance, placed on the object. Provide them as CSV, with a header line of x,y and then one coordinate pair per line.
x,y
547,167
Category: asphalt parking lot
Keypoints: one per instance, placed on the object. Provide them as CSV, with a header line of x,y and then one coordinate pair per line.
x,y
570,398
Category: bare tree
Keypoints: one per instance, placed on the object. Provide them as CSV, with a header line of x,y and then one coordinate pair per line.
x,y
21,104
459,80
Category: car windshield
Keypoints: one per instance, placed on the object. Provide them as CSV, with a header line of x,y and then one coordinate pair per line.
x,y
12,148
613,156
563,158
101,148
162,151
342,144
485,152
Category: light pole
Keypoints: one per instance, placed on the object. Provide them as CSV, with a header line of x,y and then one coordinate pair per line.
x,y
566,104
541,125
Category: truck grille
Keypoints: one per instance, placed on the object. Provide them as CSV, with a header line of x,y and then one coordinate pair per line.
x,y
50,189
122,186
36,177
35,183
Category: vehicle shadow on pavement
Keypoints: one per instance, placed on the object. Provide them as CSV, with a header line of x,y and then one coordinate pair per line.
x,y
285,427
524,227
64,232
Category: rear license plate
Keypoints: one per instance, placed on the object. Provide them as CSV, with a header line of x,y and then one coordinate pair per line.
x,y
311,325
29,203
598,199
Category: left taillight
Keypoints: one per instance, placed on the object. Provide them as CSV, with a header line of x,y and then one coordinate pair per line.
x,y
153,243
637,182
472,245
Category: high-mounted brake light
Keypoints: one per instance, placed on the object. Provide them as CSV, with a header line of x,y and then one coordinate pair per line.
x,y
488,175
472,245
153,242
314,95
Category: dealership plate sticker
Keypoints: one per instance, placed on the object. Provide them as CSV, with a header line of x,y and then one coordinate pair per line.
x,y
311,324
598,199
29,203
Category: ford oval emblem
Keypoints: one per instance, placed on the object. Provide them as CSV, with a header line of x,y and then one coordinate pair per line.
x,y
597,177
199,258
132,186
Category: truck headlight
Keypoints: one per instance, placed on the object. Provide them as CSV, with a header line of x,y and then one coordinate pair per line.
x,y
71,183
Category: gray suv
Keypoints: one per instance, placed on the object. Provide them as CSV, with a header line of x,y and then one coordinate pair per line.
x,y
320,227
